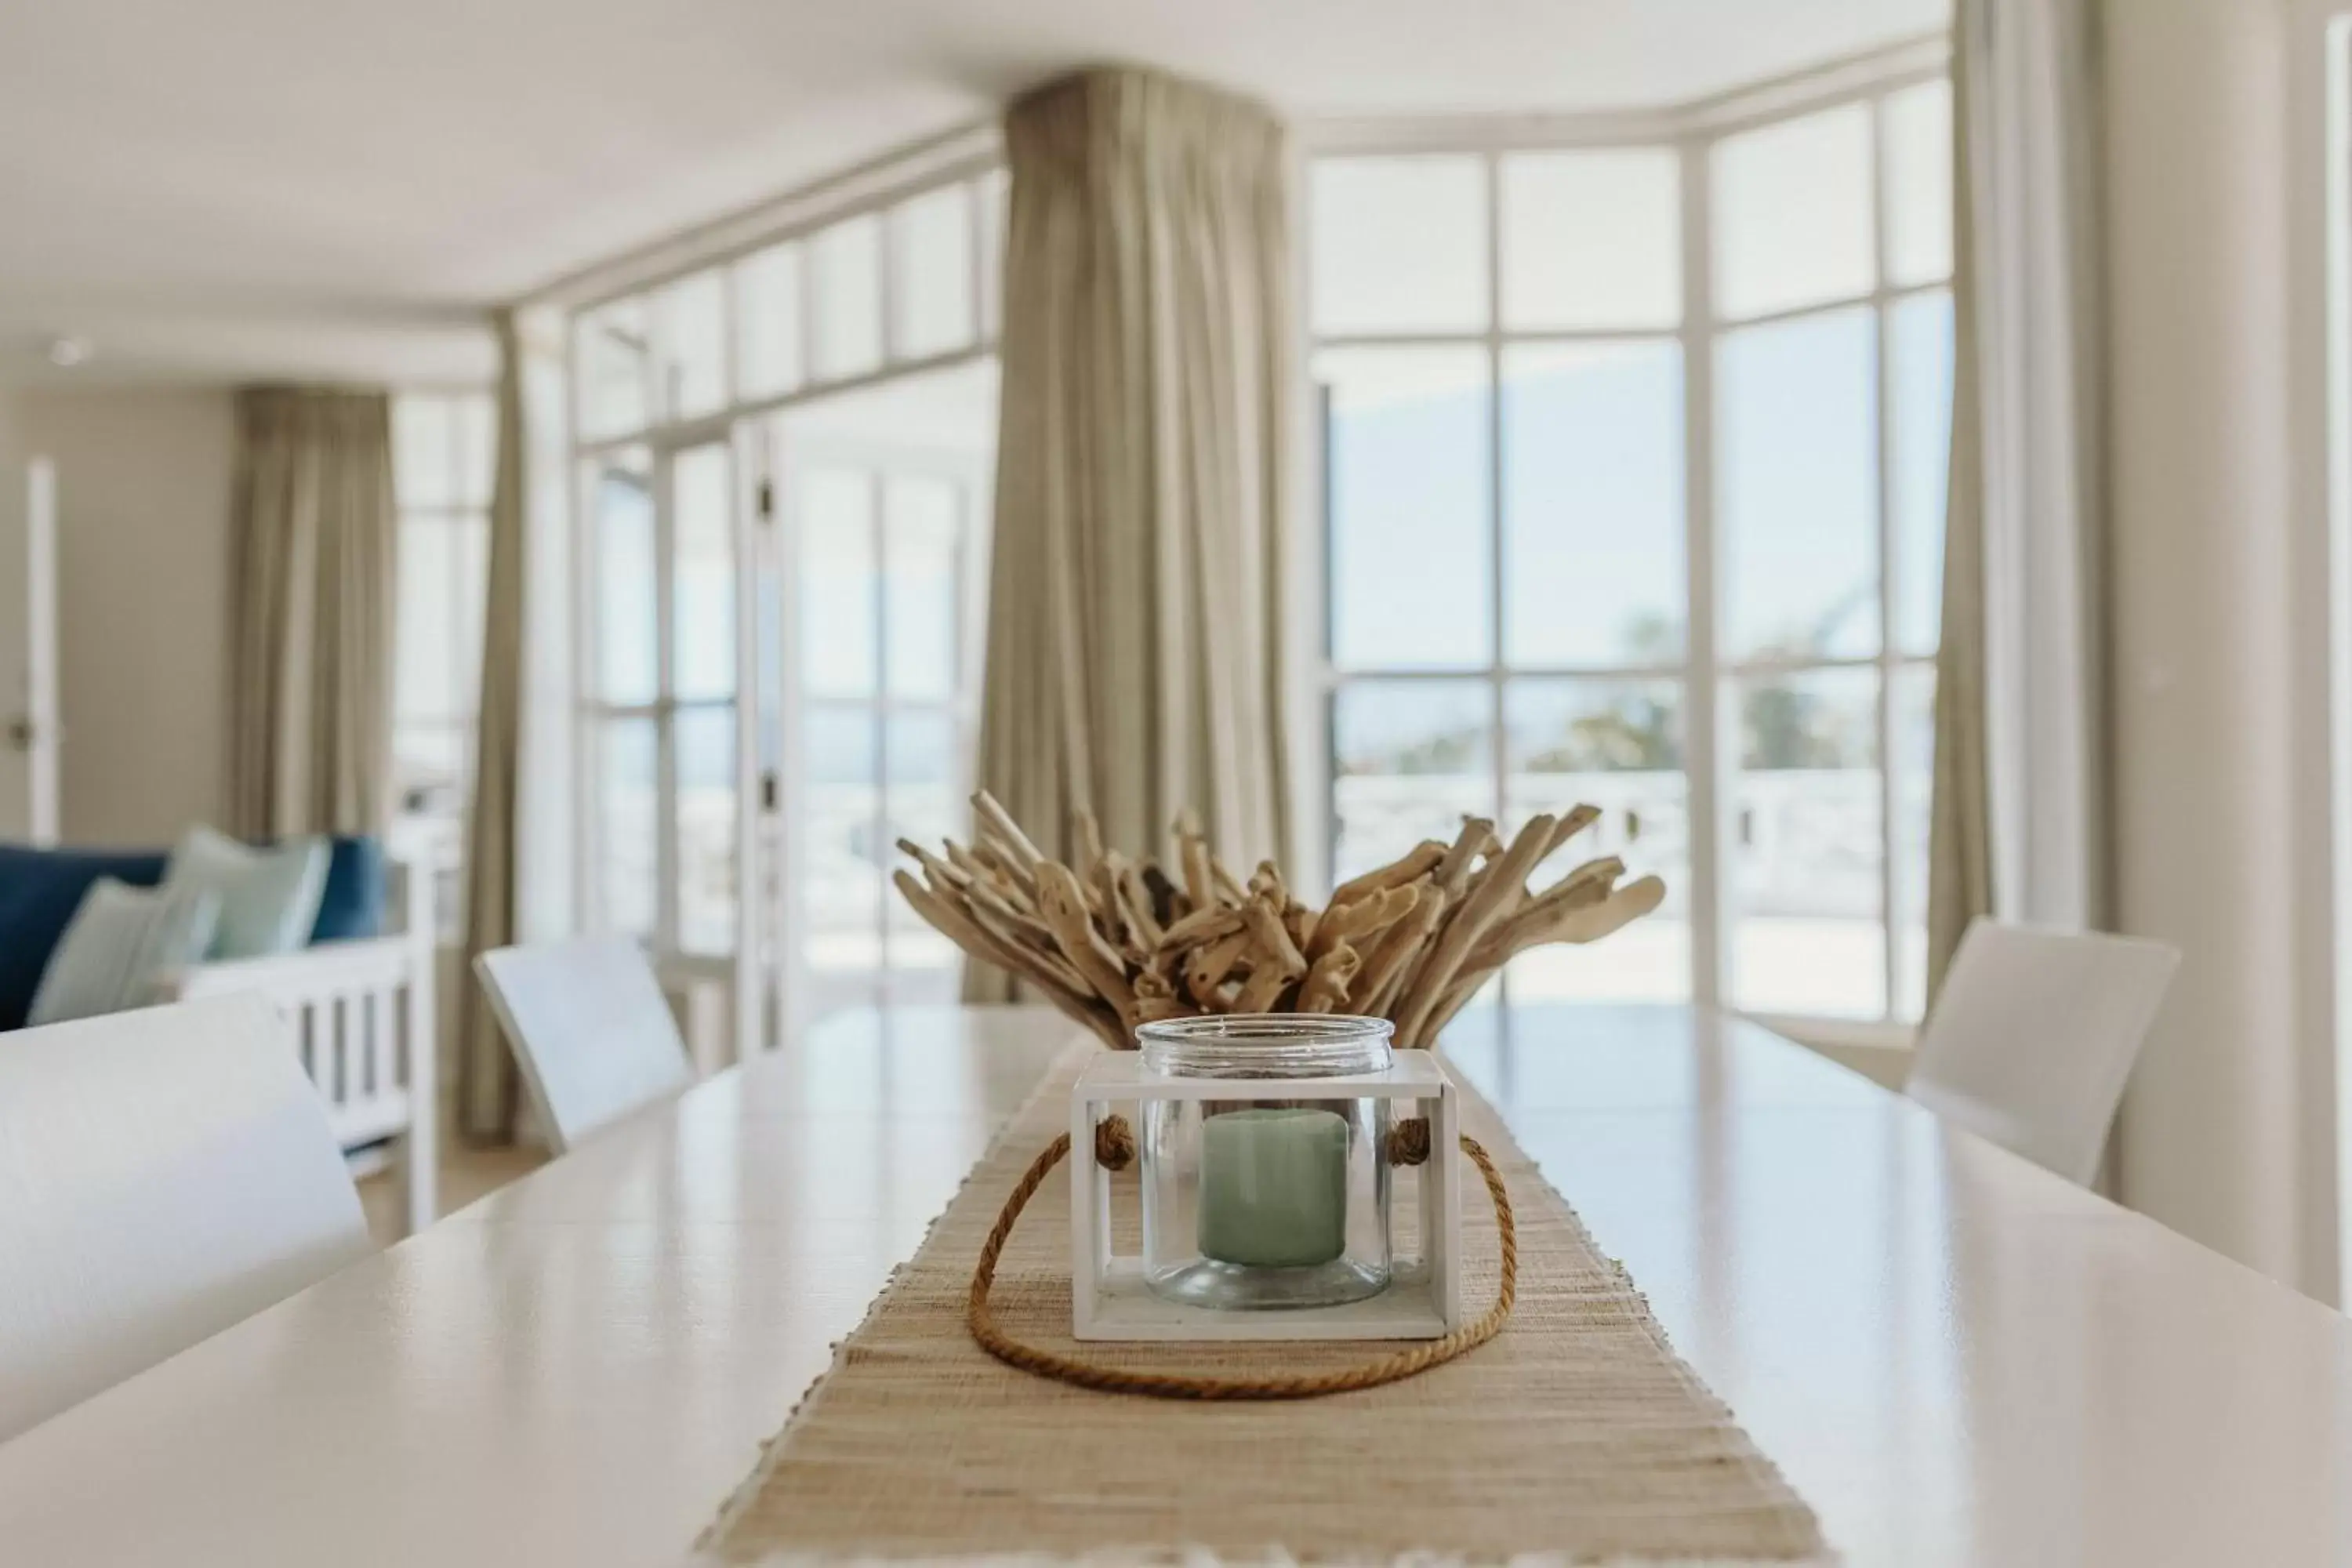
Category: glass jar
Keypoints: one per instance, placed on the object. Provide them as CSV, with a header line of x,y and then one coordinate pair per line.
x,y
1264,1199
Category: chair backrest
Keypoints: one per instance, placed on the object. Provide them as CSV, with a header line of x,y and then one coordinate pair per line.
x,y
2033,1035
589,1029
164,1173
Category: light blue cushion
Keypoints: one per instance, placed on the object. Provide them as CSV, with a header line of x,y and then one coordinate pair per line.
x,y
120,941
269,896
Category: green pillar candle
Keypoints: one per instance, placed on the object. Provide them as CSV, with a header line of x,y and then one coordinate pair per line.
x,y
1274,1187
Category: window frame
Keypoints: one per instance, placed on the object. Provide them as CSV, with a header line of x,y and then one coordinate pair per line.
x,y
1708,681
742,423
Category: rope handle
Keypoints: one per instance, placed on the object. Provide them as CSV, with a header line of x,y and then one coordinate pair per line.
x,y
1113,1138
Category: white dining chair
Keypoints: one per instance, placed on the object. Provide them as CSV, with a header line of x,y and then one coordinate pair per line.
x,y
2034,1034
590,1029
164,1173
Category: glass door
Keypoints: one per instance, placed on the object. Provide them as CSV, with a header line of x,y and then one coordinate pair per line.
x,y
869,656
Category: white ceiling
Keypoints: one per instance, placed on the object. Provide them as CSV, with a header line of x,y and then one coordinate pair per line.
x,y
250,187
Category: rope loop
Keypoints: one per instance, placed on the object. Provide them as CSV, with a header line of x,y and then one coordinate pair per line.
x,y
1392,1368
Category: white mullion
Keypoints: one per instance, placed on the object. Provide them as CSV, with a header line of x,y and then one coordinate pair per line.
x,y
666,856
1709,743
1498,747
1890,947
877,499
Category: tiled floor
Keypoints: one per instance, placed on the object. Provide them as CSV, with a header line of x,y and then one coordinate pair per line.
x,y
466,1175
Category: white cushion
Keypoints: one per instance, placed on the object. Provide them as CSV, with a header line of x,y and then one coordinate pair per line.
x,y
268,897
120,941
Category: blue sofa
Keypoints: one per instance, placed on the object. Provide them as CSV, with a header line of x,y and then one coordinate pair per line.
x,y
40,889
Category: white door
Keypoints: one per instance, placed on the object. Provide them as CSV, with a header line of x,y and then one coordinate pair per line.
x,y
29,653
865,670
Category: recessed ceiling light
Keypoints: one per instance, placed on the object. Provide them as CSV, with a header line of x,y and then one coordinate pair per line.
x,y
68,353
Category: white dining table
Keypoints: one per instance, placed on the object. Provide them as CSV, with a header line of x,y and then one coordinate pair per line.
x,y
1954,1357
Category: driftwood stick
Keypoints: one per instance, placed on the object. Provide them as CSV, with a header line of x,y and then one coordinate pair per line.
x,y
1199,886
1477,833
1062,904
1136,903
1211,962
1383,969
1270,943
996,825
1573,822
1479,910
985,901
1005,869
1326,985
1155,1000
958,928
1414,863
1202,925
936,870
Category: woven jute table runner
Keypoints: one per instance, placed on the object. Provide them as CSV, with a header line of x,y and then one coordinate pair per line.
x,y
1575,1437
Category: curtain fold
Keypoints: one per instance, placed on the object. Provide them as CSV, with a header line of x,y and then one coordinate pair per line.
x,y
1135,636
488,1090
2019,826
310,742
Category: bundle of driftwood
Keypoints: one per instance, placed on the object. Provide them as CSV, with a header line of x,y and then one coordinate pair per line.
x,y
1114,941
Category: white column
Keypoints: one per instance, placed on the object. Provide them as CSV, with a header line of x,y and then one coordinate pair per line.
x,y
2213,1139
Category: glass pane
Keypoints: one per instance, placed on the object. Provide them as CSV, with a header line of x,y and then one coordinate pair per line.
x,y
627,799
838,586
846,260
424,451
1920,445
1797,487
1616,744
1918,179
768,322
842,891
993,190
477,448
930,273
692,313
1398,245
1592,504
1914,771
1591,239
706,829
1409,759
1408,472
920,617
1792,213
425,648
925,804
1807,849
615,360
628,666
702,579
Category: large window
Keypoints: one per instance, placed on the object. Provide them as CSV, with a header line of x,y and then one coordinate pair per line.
x,y
1633,482
443,452
822,399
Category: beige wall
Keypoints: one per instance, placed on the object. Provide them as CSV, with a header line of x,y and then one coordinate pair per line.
x,y
143,492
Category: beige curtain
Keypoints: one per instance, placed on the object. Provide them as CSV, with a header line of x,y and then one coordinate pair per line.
x,y
1959,833
316,528
2021,817
1134,630
486,1082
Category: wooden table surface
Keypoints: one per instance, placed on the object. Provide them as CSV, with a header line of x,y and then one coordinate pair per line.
x,y
1957,1358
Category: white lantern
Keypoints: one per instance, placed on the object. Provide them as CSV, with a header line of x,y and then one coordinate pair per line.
x,y
1272,1149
